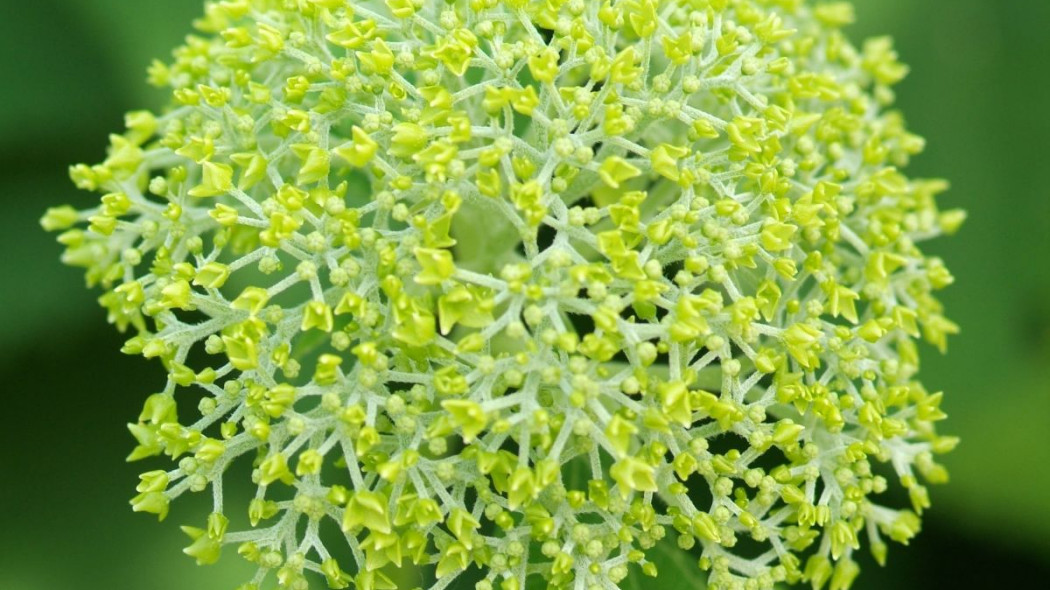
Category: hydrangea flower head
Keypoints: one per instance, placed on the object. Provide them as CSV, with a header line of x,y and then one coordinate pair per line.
x,y
515,291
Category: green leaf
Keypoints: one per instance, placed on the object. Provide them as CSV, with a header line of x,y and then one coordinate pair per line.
x,y
678,569
134,33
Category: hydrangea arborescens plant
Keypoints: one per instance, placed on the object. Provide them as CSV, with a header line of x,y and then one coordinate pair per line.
x,y
514,291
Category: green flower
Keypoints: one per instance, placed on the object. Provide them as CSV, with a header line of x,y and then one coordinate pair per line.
x,y
525,287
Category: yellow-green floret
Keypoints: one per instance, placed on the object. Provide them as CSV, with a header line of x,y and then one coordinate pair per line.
x,y
524,291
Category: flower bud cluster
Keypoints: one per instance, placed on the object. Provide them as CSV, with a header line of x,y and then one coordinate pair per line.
x,y
524,288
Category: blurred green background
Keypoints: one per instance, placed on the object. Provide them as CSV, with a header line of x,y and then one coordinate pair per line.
x,y
979,91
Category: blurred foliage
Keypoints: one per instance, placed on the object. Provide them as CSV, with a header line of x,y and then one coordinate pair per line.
x,y
977,94
978,91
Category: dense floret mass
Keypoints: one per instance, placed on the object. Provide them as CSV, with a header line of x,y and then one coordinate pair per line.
x,y
520,292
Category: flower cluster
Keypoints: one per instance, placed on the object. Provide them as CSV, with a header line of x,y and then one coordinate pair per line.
x,y
516,290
